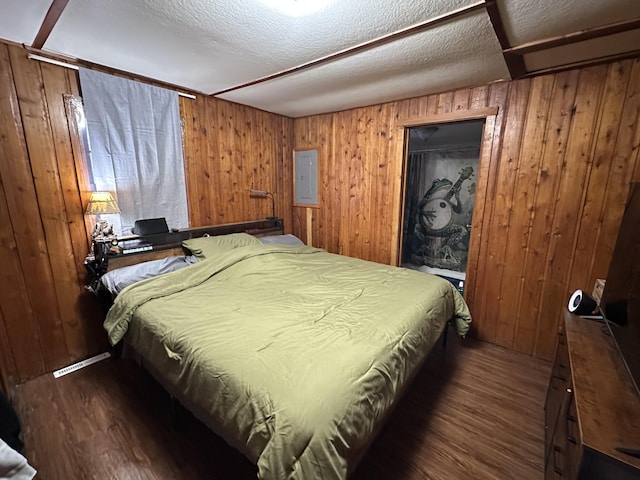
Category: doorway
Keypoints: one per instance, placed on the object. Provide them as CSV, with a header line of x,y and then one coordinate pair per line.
x,y
440,188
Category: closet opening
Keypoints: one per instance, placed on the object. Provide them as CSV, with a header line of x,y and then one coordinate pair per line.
x,y
440,186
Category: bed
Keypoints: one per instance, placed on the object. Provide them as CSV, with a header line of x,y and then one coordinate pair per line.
x,y
292,354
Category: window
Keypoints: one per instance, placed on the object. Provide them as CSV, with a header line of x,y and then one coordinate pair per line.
x,y
135,141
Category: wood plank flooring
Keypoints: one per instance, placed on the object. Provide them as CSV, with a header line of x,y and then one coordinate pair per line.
x,y
474,411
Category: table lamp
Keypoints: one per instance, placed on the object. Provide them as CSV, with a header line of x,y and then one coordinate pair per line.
x,y
102,203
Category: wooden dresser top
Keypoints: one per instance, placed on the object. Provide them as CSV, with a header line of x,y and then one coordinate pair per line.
x,y
607,402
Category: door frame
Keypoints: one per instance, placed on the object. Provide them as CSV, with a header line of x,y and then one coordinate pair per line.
x,y
489,115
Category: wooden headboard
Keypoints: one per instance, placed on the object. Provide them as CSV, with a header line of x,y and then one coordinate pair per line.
x,y
128,250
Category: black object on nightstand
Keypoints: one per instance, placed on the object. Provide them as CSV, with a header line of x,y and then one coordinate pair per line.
x,y
150,226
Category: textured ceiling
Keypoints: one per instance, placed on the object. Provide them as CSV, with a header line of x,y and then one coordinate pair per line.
x,y
20,19
529,20
215,45
434,61
209,46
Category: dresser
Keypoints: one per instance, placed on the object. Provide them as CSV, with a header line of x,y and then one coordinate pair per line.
x,y
591,407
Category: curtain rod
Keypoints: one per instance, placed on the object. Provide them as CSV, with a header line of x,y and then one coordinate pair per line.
x,y
40,58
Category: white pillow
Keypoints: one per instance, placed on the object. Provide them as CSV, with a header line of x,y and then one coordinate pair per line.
x,y
287,239
118,279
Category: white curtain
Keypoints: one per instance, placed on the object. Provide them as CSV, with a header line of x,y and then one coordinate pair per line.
x,y
135,141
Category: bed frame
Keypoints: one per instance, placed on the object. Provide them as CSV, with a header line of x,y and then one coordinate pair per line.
x,y
122,251
171,244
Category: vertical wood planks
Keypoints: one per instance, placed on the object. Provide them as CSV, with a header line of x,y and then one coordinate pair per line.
x,y
22,203
530,148
614,96
284,166
317,133
69,219
230,149
57,321
551,135
8,369
49,318
461,99
186,119
369,151
623,163
498,95
544,153
384,192
55,82
555,176
501,210
21,349
568,208
45,240
445,102
196,166
478,97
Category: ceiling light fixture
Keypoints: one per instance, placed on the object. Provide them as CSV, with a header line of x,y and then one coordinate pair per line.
x,y
298,8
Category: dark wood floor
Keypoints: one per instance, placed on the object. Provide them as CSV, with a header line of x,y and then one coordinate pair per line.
x,y
474,411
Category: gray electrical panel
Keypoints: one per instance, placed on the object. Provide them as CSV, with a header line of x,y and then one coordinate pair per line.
x,y
306,177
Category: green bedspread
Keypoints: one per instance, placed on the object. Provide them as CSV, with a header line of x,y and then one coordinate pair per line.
x,y
292,354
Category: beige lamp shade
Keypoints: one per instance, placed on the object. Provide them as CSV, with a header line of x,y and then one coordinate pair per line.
x,y
102,203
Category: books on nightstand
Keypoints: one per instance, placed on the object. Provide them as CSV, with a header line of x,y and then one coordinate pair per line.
x,y
134,246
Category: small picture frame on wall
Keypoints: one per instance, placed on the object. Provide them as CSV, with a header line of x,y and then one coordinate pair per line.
x,y
305,178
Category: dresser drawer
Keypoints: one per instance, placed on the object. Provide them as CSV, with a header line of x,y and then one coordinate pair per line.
x,y
564,453
573,446
557,391
552,470
555,395
561,367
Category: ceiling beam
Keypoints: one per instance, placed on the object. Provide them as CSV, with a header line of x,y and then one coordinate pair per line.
x,y
586,63
77,62
50,20
405,32
497,24
515,63
579,36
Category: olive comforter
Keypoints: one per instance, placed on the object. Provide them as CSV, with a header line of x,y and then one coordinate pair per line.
x,y
292,354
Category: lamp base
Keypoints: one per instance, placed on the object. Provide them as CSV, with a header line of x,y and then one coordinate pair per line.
x,y
102,229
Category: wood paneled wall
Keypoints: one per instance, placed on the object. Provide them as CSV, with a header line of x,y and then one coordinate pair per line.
x,y
229,150
557,167
556,171
47,319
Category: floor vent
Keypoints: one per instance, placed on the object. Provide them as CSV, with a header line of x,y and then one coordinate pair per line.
x,y
81,364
